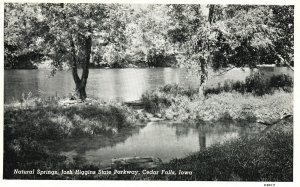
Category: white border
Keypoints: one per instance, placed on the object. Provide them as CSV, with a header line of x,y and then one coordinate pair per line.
x,y
52,183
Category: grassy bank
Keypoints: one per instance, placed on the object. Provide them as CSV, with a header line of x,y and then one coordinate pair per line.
x,y
30,126
176,103
265,157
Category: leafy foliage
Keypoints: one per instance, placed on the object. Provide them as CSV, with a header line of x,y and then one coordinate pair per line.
x,y
121,35
233,35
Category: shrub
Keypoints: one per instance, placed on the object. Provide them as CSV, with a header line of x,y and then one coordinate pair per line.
x,y
256,84
157,57
239,86
175,90
153,102
282,81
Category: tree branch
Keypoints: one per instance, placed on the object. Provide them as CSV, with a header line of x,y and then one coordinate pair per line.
x,y
285,62
223,72
270,125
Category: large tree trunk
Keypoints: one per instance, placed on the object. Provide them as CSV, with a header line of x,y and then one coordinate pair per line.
x,y
85,67
80,90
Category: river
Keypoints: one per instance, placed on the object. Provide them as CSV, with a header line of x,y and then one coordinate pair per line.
x,y
111,84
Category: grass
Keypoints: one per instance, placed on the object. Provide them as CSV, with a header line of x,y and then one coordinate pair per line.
x,y
33,124
29,126
78,120
175,104
264,157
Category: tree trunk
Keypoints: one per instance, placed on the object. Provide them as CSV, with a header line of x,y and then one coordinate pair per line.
x,y
203,61
211,13
202,90
80,90
203,77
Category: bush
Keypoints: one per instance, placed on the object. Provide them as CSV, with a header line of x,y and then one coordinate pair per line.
x,y
153,102
239,86
282,81
177,90
157,100
256,84
160,58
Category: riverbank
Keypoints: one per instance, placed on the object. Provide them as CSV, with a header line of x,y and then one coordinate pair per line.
x,y
175,103
262,157
31,127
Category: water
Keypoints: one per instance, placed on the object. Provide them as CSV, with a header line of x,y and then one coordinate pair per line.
x,y
110,84
162,139
158,139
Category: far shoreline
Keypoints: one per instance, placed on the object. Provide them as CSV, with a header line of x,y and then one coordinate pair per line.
x,y
134,67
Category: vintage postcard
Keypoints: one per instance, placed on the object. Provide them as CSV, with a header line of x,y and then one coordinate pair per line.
x,y
160,91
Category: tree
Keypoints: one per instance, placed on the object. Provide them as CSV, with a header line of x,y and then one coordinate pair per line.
x,y
231,36
66,34
72,29
21,30
283,18
147,35
115,52
189,28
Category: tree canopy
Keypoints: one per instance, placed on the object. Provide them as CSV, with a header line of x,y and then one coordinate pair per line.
x,y
233,36
128,35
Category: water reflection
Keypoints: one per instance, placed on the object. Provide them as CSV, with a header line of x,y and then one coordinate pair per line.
x,y
202,140
163,140
181,130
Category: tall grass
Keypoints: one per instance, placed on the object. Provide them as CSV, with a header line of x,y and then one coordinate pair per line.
x,y
172,104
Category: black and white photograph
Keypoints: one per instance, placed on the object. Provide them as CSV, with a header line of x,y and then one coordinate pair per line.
x,y
148,91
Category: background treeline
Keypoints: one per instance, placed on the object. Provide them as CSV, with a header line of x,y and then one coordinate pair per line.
x,y
156,35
